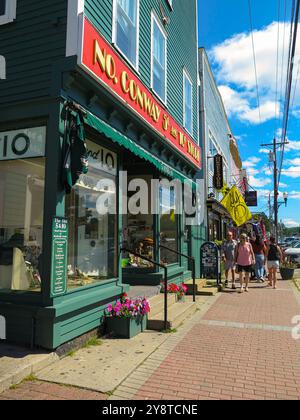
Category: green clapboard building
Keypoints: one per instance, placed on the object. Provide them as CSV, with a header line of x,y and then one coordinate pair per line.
x,y
114,81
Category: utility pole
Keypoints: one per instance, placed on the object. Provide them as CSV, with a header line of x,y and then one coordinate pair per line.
x,y
275,145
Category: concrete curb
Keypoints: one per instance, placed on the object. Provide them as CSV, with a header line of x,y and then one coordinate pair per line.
x,y
30,368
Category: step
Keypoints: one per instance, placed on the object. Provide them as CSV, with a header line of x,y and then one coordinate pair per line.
x,y
157,303
176,315
207,291
200,283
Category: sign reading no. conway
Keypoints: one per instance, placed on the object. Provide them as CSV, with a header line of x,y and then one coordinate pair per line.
x,y
23,143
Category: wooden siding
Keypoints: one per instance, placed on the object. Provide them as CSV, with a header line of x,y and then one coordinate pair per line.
x,y
181,52
31,45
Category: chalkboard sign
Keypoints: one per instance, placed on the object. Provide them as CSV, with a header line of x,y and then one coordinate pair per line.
x,y
59,256
210,261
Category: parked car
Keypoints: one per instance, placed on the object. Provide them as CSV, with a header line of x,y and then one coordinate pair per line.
x,y
293,254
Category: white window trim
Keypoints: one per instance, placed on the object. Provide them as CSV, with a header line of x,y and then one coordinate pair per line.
x,y
154,18
74,24
114,35
10,12
170,4
187,76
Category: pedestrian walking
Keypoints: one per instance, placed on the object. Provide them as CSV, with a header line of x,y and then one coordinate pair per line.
x,y
275,256
244,258
260,252
228,255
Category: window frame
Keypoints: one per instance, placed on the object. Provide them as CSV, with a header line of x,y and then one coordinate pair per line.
x,y
156,20
186,76
10,12
114,34
170,4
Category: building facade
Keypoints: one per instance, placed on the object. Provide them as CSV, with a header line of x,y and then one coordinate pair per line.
x,y
217,140
125,72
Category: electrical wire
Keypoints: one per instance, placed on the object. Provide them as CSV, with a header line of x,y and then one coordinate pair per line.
x,y
293,42
254,58
277,69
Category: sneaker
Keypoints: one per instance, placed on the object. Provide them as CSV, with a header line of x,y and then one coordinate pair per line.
x,y
262,280
242,290
247,290
233,287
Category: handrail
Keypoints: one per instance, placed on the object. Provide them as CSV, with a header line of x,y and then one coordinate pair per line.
x,y
165,277
192,259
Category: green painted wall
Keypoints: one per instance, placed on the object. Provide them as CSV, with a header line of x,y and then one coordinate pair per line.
x,y
181,41
31,45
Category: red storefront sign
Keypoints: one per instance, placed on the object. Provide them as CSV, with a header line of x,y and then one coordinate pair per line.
x,y
104,64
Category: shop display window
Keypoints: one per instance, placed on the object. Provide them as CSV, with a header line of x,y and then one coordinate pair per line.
x,y
138,235
92,250
22,184
168,225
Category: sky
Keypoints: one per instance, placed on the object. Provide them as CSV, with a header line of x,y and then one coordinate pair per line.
x,y
224,30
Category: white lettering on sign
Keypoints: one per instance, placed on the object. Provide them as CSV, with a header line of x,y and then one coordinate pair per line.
x,y
2,328
101,158
23,143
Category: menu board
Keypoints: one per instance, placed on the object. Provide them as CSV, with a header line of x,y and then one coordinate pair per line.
x,y
59,256
210,261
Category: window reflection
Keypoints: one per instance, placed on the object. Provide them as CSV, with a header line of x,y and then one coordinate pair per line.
x,y
168,225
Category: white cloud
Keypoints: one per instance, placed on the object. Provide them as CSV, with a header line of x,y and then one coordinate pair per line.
x,y
233,60
294,195
290,223
264,151
291,172
293,145
283,185
258,182
295,162
251,162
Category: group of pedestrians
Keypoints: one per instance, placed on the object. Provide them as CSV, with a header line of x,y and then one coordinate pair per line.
x,y
241,257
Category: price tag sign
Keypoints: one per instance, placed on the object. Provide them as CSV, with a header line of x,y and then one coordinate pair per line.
x,y
59,256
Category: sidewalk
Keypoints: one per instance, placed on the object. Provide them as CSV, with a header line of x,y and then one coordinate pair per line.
x,y
242,348
237,346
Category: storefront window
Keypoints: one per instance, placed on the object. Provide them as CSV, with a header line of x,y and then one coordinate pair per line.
x,y
22,185
92,252
138,234
168,225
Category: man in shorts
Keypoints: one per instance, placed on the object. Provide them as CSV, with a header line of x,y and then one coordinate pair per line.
x,y
228,255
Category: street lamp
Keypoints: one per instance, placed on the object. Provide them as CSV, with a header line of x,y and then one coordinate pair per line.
x,y
285,197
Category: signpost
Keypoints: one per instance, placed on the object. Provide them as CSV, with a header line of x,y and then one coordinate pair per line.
x,y
59,256
210,261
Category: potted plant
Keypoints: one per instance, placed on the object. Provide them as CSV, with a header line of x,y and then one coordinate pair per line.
x,y
287,270
180,290
127,317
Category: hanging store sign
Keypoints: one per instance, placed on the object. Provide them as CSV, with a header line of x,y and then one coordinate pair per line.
x,y
251,198
99,59
218,172
59,256
23,143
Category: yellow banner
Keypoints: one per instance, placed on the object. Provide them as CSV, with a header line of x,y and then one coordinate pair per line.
x,y
236,206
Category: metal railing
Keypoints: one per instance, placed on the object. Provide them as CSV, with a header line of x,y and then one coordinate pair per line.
x,y
193,261
164,267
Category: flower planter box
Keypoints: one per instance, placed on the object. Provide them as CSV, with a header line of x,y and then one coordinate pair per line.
x,y
287,273
126,327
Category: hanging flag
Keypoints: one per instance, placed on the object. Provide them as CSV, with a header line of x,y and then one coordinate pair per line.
x,y
236,207
75,161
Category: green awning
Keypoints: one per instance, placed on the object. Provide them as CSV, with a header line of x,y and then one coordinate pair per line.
x,y
130,145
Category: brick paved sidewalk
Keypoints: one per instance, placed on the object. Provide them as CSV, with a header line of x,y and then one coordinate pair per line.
x,y
242,348
36,390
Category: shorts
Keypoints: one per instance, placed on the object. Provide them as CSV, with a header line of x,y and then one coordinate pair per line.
x,y
244,268
229,265
273,264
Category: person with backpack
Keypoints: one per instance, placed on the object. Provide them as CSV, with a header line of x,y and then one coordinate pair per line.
x,y
244,258
275,256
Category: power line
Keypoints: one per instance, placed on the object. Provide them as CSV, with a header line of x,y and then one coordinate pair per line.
x,y
277,69
283,51
293,42
254,58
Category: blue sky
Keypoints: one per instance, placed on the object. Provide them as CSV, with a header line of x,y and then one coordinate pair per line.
x,y
224,30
